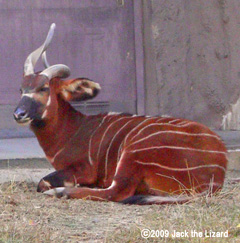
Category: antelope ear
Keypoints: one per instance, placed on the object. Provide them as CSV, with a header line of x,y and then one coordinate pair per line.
x,y
79,89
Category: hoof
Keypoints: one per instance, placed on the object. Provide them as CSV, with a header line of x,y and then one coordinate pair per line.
x,y
43,186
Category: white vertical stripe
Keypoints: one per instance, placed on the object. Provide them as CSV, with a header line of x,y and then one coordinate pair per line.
x,y
90,140
110,144
145,120
119,163
104,134
120,150
49,101
44,114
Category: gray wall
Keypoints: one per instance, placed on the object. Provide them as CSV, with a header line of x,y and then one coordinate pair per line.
x,y
197,52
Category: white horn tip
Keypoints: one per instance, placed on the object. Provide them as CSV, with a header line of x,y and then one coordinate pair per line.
x,y
53,26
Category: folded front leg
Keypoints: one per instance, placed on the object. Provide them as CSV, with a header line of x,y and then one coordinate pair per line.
x,y
124,185
118,191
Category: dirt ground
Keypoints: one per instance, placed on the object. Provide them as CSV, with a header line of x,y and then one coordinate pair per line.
x,y
28,216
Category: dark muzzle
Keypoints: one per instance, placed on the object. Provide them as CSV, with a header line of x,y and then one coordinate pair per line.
x,y
20,114
26,110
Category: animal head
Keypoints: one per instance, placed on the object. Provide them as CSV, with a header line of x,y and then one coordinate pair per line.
x,y
37,88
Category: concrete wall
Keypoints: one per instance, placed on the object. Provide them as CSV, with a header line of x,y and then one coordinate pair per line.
x,y
197,51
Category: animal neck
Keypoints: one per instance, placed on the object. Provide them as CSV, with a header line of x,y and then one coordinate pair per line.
x,y
59,125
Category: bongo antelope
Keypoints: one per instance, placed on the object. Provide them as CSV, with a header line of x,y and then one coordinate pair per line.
x,y
114,157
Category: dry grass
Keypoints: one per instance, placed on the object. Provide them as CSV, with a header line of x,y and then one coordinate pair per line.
x,y
27,216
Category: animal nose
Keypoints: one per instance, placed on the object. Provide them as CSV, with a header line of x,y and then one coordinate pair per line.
x,y
20,114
